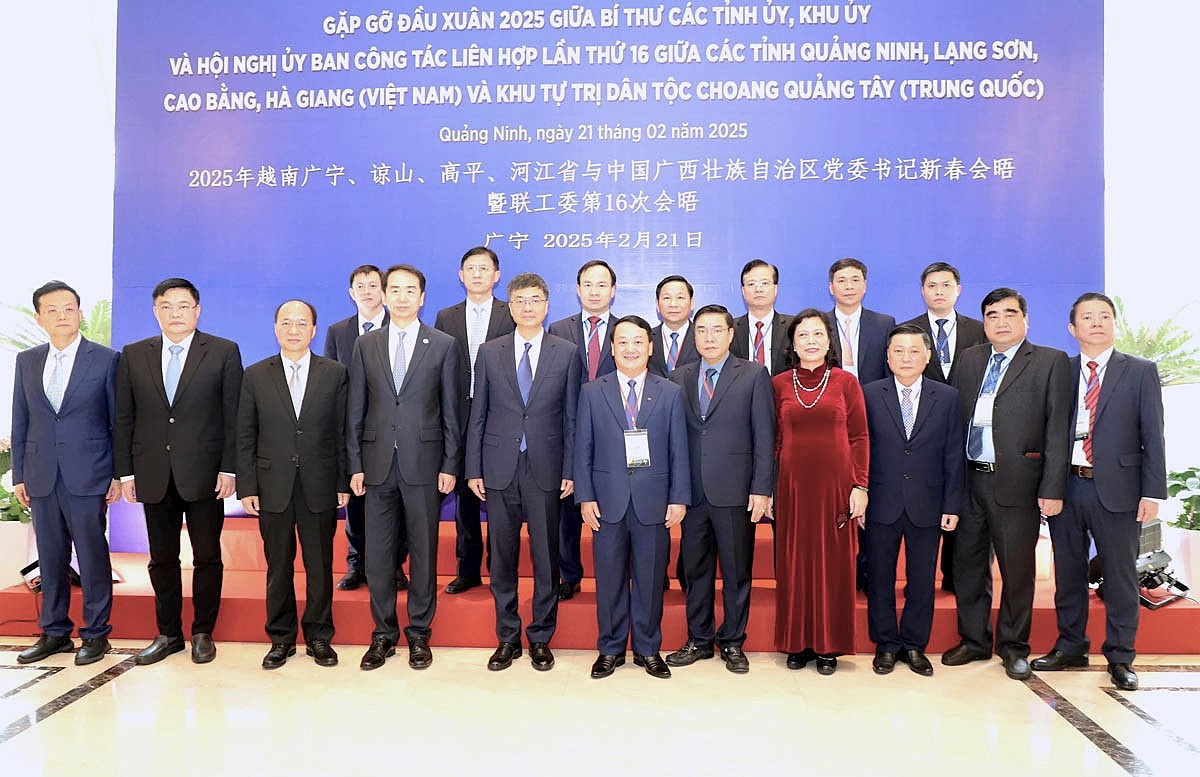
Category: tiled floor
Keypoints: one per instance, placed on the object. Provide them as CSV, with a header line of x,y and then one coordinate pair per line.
x,y
233,718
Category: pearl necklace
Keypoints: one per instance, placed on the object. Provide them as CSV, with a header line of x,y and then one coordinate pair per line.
x,y
797,388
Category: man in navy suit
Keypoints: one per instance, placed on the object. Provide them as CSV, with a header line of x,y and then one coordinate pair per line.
x,y
916,488
477,319
674,340
632,483
861,334
402,450
366,289
760,336
951,333
590,331
730,409
1118,470
63,409
520,456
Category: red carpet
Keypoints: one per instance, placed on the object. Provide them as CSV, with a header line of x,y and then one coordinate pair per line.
x,y
468,619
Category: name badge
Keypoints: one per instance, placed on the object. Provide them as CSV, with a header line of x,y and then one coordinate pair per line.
x,y
637,448
1081,423
983,410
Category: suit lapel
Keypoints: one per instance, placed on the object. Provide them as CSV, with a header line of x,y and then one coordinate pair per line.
x,y
929,398
275,374
420,349
83,363
614,391
690,385
648,404
508,364
724,382
496,319
153,368
37,369
892,403
1021,360
1113,374
380,346
195,355
551,352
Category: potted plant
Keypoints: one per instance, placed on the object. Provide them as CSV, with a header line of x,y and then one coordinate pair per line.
x,y
1181,535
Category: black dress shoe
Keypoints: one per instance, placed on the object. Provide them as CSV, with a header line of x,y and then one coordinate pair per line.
x,y
401,579
460,584
917,661
826,665
606,665
351,580
567,591
654,665
203,649
1123,677
962,654
160,648
322,652
45,646
690,654
800,660
1017,667
1057,660
735,660
504,655
884,662
541,657
381,650
278,655
419,654
92,650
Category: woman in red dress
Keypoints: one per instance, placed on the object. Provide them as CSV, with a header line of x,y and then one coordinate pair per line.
x,y
820,498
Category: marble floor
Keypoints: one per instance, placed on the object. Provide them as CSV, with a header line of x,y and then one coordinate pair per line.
x,y
456,718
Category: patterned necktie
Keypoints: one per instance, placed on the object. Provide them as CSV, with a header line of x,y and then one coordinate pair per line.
x,y
673,353
55,393
1090,400
760,355
906,412
295,388
367,327
990,381
710,387
399,364
593,352
525,381
943,341
847,349
631,405
174,367
475,337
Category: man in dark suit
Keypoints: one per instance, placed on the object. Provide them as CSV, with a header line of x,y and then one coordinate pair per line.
x,y
951,334
760,336
589,330
520,457
916,490
402,450
175,450
292,475
1118,470
1015,399
674,340
366,289
860,343
477,319
632,483
62,470
730,410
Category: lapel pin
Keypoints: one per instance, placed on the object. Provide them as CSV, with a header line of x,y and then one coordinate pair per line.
x,y
425,341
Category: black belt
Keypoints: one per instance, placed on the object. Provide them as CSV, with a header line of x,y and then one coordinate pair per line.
x,y
1083,472
981,466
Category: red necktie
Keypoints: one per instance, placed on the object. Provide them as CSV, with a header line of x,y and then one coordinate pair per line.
x,y
759,351
1090,400
593,355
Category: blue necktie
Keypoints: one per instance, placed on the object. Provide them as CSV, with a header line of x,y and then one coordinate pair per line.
x,y
706,394
174,366
990,381
631,405
906,412
55,394
367,327
943,341
525,381
673,354
398,363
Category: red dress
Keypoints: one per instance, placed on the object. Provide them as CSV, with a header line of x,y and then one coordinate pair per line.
x,y
823,452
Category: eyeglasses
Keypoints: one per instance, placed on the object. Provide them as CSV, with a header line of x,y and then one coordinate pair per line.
x,y
715,331
528,302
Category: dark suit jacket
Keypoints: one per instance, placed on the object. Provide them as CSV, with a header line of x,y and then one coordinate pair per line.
x,y
340,337
453,321
76,440
741,341
732,449
873,330
970,332
658,356
1128,448
275,447
421,424
499,418
571,330
922,475
193,439
1031,430
600,472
